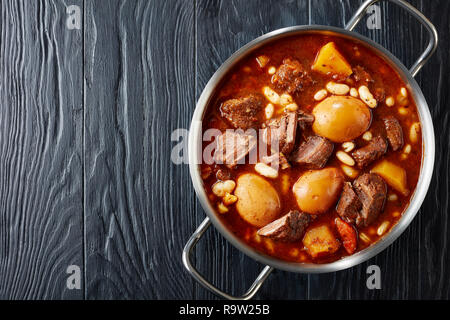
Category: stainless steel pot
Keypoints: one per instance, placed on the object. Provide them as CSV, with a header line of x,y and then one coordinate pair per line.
x,y
428,142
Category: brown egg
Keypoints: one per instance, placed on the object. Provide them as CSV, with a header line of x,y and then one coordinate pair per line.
x,y
341,118
258,202
317,190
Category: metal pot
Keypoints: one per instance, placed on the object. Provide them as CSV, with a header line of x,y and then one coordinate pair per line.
x,y
428,142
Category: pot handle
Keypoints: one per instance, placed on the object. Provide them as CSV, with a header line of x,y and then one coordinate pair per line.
x,y
432,43
200,279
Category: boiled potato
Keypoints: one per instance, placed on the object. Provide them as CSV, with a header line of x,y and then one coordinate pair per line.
x,y
394,175
317,190
258,202
330,60
320,241
341,118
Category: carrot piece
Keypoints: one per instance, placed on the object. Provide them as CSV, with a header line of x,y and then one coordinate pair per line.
x,y
348,235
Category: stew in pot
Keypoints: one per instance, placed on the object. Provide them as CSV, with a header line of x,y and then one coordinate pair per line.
x,y
312,148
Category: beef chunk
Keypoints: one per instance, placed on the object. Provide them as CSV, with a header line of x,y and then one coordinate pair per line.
x,y
304,119
394,132
375,149
349,204
291,76
277,159
242,112
371,190
290,227
232,147
314,152
361,75
283,131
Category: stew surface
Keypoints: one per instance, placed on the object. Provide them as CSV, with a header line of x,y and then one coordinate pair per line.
x,y
315,148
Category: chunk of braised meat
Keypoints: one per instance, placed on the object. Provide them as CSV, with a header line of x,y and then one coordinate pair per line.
x,y
371,190
242,112
394,132
282,131
232,147
277,159
291,76
347,234
304,119
349,205
223,174
372,151
314,152
361,75
290,227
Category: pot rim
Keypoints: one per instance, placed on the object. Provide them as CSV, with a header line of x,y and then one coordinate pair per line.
x,y
428,152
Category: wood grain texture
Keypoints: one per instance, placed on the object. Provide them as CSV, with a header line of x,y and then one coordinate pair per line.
x,y
40,150
139,207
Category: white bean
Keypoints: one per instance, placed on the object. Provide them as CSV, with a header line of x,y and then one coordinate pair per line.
x,y
392,197
229,199
345,158
291,107
403,111
221,188
271,70
407,149
348,146
382,228
390,101
354,92
262,60
285,99
350,171
404,92
367,97
414,132
222,208
320,95
367,136
364,237
337,88
270,109
271,95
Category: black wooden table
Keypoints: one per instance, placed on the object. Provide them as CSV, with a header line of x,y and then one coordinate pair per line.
x,y
86,177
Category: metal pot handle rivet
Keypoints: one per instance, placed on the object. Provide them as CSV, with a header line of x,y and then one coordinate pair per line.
x,y
190,245
432,43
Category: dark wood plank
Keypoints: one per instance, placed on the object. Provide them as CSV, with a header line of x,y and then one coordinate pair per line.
x,y
139,206
434,238
41,117
222,28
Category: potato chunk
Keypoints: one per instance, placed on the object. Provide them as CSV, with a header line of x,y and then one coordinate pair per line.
x,y
341,118
258,202
394,175
330,60
317,190
320,241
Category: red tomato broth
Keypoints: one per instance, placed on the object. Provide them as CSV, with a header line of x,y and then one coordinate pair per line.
x,y
248,77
